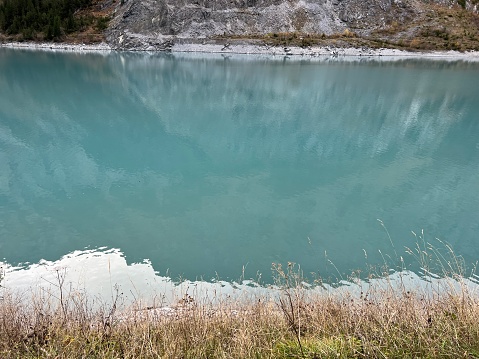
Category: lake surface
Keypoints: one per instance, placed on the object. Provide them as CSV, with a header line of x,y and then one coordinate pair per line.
x,y
211,167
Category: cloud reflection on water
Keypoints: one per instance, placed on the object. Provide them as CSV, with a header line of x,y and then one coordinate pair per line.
x,y
205,165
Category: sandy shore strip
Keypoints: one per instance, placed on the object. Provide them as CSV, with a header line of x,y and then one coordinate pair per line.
x,y
255,49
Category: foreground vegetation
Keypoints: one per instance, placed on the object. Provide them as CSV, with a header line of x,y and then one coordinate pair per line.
x,y
327,327
384,319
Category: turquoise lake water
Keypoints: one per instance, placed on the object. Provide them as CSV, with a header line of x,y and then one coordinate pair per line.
x,y
209,166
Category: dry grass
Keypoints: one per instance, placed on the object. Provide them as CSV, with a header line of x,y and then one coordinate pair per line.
x,y
323,327
385,319
345,39
438,28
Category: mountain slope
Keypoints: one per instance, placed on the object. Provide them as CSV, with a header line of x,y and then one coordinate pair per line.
x,y
439,24
157,24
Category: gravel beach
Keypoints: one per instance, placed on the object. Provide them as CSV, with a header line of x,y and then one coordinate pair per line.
x,y
255,49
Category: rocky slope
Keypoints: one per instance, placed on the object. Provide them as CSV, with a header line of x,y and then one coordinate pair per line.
x,y
426,24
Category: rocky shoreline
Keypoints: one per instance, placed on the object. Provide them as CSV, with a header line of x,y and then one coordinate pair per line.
x,y
57,46
254,49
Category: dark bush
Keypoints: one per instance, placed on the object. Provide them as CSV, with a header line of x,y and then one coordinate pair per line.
x,y
102,23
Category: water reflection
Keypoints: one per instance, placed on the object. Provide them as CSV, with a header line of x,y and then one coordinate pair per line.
x,y
103,277
209,166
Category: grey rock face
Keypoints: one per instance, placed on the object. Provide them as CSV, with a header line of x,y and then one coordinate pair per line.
x,y
370,15
154,21
151,24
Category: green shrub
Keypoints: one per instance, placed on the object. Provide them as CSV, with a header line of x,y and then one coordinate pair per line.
x,y
102,23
